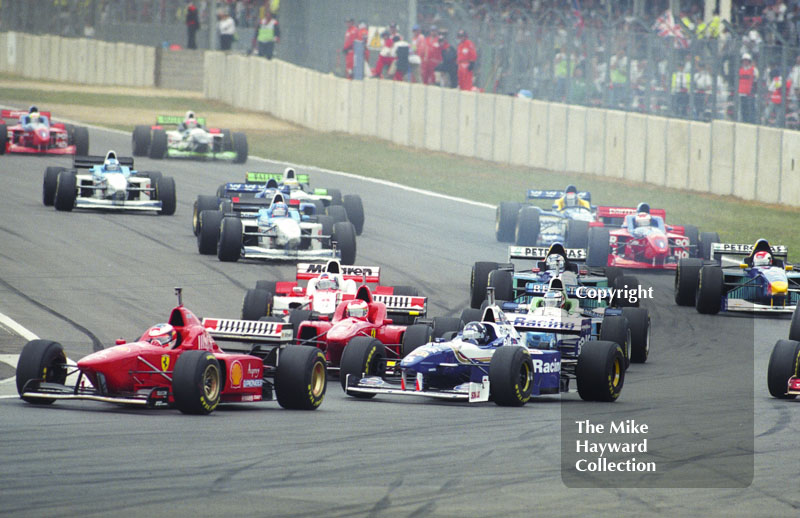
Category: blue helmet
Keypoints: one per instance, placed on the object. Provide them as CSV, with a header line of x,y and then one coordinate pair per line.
x,y
643,207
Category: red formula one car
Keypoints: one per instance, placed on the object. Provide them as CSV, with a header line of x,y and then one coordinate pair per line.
x,y
639,238
328,285
35,133
179,364
359,319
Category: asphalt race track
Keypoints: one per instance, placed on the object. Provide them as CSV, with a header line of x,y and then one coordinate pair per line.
x,y
87,278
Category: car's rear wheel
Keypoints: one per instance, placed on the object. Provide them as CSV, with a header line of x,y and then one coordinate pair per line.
x,y
577,233
639,323
687,275
505,221
479,281
616,329
165,193
528,226
336,196
600,371
337,212
158,144
344,233
81,136
240,147
709,290
794,327
256,304
415,336
442,325
503,283
706,239
355,211
203,202
598,248
208,238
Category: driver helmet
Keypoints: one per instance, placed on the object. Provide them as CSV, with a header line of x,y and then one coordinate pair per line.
x,y
643,207
163,335
33,109
762,258
357,309
554,263
474,331
112,164
553,299
327,282
190,121
642,220
571,196
280,210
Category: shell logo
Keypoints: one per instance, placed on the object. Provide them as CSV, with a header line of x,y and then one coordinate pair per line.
x,y
236,374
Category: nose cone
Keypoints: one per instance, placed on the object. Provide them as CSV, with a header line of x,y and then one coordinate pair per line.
x,y
289,231
659,246
116,182
41,135
778,287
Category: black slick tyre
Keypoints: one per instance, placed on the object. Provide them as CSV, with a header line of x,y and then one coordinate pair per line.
x,y
344,233
165,193
203,202
687,275
479,281
600,371
41,360
505,221
66,193
208,237
706,240
442,325
49,184
528,226
577,234
158,144
362,356
301,377
502,282
511,376
141,140
81,138
337,212
639,324
240,147
230,240
598,248
355,211
794,326
256,304
616,329
709,290
196,382
415,336
783,364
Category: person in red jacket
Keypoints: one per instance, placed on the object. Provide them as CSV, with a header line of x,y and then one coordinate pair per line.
x,y
467,56
431,57
386,55
349,37
192,25
748,75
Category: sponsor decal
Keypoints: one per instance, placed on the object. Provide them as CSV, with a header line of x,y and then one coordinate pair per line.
x,y
253,383
538,252
165,362
550,324
236,374
744,248
546,367
252,371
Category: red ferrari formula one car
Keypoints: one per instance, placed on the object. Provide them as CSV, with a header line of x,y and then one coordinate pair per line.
x,y
361,318
35,133
178,364
642,239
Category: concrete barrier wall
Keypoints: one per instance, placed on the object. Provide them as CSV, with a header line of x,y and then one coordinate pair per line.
x,y
699,157
745,161
768,172
615,144
724,158
635,147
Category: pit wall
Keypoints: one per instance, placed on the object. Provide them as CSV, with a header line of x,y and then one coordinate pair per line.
x,y
721,157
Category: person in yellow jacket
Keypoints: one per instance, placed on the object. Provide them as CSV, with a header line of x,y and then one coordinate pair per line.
x,y
268,33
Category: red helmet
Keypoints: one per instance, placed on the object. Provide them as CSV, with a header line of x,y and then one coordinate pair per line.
x,y
163,335
762,258
357,309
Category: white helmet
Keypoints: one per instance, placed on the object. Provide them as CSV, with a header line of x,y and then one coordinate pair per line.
x,y
553,299
554,263
762,258
643,219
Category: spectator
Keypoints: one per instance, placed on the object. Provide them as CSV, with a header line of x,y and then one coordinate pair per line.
x,y
679,90
267,35
431,57
467,56
703,84
227,30
618,66
448,68
400,53
775,88
385,57
577,88
748,75
192,25
418,42
350,35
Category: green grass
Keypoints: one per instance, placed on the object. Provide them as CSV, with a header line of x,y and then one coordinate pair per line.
x,y
735,220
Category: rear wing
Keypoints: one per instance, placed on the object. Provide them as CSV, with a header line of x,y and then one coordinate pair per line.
x,y
719,250
539,253
615,216
248,330
262,178
534,194
89,161
354,273
177,119
403,304
16,114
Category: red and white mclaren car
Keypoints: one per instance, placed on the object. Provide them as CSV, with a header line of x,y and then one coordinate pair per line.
x,y
639,238
328,285
35,133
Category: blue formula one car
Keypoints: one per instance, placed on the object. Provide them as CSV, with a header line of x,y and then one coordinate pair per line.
x,y
526,224
110,183
739,277
505,358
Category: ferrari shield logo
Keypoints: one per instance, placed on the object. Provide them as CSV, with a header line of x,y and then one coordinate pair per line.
x,y
165,362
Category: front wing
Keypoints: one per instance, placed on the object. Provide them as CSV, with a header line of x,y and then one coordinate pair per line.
x,y
472,392
140,205
270,254
16,148
222,155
